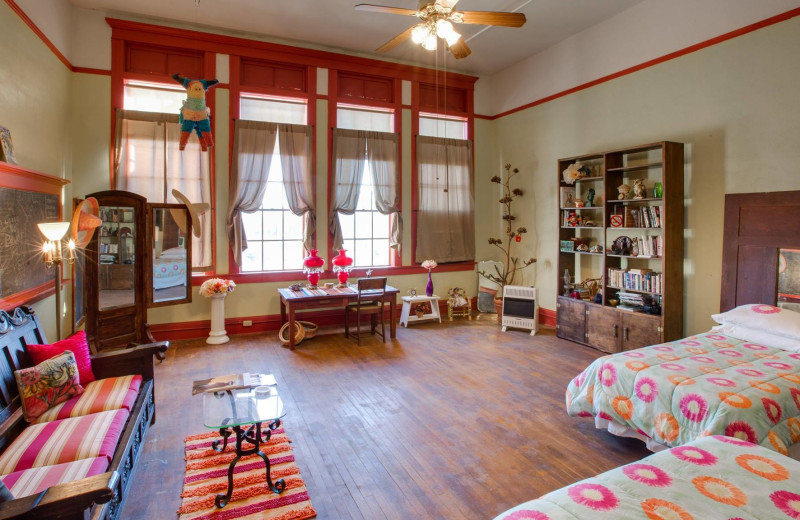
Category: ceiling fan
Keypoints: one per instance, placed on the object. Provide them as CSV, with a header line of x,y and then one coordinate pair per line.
x,y
436,21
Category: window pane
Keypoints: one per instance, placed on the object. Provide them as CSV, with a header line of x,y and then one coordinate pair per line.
x,y
442,127
292,226
347,222
365,119
273,196
272,224
251,222
380,225
273,256
363,252
365,197
363,224
150,99
273,110
380,252
251,257
293,254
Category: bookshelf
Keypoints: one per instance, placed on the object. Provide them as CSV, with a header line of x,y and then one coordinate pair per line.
x,y
628,244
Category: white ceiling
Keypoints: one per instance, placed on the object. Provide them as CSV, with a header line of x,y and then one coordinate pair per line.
x,y
335,25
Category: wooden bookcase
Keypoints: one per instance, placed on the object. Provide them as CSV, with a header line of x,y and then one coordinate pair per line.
x,y
648,266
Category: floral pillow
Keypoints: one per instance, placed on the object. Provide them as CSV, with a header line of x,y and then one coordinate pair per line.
x,y
47,384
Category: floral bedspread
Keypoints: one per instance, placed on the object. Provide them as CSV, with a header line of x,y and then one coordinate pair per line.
x,y
709,384
713,477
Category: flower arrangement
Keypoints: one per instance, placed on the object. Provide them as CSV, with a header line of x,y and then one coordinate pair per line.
x,y
511,264
214,286
575,171
429,264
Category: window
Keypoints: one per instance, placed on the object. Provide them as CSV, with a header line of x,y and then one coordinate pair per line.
x,y
148,160
275,235
365,232
441,126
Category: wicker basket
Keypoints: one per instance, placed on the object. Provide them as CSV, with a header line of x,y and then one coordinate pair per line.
x,y
303,330
310,329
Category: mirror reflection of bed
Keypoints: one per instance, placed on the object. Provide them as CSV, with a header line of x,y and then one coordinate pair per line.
x,y
169,254
789,279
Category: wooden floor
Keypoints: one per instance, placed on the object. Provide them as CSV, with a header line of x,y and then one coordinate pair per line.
x,y
457,420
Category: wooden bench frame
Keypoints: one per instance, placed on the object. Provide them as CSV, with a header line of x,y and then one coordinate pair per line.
x,y
100,497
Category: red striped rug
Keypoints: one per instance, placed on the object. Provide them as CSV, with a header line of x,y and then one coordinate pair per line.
x,y
207,475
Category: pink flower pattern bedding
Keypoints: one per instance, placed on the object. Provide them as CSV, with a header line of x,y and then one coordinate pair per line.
x,y
712,478
709,384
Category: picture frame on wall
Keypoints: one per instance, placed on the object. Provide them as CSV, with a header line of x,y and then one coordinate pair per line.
x,y
6,146
567,197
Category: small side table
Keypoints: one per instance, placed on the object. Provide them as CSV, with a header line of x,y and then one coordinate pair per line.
x,y
407,317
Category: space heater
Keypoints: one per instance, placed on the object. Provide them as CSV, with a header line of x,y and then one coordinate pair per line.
x,y
520,308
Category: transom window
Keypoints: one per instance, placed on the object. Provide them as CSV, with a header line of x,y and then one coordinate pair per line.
x,y
434,125
274,233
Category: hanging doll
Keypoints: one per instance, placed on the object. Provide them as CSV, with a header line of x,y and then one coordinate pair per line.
x,y
194,114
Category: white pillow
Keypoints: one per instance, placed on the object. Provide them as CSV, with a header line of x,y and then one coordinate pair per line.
x,y
760,337
765,318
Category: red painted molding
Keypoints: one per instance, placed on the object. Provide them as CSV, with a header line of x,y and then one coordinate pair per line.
x,y
21,178
87,70
547,317
656,61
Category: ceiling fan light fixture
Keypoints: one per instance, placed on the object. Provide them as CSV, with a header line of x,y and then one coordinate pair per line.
x,y
430,42
420,32
444,28
452,38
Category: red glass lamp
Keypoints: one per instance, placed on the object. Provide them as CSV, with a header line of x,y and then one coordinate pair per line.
x,y
313,265
342,264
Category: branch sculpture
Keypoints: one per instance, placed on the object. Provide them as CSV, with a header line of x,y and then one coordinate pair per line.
x,y
512,264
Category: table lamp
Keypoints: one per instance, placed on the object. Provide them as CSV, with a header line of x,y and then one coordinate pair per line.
x,y
313,266
342,264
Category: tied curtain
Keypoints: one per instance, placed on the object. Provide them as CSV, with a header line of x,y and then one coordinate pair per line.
x,y
148,162
352,151
446,209
253,147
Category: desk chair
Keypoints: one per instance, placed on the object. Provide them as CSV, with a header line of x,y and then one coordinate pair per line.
x,y
370,301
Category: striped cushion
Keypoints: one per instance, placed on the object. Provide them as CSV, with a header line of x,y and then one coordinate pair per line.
x,y
65,440
111,393
35,480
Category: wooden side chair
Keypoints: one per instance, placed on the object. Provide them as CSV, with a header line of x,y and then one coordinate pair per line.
x,y
370,302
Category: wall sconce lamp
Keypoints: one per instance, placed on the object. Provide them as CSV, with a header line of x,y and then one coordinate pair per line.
x,y
52,255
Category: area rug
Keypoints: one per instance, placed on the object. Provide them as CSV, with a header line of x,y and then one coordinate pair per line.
x,y
207,475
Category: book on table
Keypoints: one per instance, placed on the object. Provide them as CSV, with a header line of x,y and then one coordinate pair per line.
x,y
242,381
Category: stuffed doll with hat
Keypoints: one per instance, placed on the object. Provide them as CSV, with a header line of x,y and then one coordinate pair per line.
x,y
194,114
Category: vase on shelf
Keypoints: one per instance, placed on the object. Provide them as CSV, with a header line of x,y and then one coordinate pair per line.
x,y
218,334
429,287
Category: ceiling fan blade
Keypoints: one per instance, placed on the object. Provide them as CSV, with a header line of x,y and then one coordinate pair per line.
x,y
397,40
460,49
493,18
385,9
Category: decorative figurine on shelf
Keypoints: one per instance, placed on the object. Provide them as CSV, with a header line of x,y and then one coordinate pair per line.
x,y
578,203
658,190
590,197
597,248
623,190
639,191
572,219
194,114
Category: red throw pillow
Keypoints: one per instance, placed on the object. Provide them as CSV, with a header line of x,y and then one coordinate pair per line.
x,y
76,343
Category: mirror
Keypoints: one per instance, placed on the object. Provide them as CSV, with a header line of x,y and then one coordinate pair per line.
x,y
169,242
117,253
789,279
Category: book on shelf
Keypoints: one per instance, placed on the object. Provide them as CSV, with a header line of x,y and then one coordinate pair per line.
x,y
232,382
630,308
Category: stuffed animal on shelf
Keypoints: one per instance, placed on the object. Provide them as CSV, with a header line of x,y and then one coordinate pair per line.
x,y
194,114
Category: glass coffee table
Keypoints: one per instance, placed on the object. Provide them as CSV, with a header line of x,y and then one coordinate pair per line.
x,y
242,411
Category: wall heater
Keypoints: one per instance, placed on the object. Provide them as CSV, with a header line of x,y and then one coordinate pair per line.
x,y
520,308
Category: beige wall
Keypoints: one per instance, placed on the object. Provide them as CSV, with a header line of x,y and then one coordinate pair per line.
x,y
735,105
34,105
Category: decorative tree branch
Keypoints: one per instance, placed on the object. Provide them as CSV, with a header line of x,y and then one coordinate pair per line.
x,y
505,276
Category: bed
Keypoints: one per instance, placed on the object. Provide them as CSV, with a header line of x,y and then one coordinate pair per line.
x,y
712,478
169,268
740,379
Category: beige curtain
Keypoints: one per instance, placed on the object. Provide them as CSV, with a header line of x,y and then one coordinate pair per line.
x,y
253,146
348,162
382,157
148,162
351,150
296,161
446,210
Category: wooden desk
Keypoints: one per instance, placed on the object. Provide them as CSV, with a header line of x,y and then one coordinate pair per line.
x,y
292,301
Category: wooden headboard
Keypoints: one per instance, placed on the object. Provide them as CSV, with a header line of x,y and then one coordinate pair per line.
x,y
756,226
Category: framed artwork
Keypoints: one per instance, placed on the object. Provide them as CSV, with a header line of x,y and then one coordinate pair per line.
x,y
6,146
567,197
789,275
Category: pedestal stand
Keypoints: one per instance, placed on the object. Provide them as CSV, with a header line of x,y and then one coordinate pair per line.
x,y
218,334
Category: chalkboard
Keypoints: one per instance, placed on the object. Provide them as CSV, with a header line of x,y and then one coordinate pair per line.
x,y
21,266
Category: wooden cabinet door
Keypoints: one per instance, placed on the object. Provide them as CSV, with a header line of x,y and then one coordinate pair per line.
x,y
603,328
640,330
571,320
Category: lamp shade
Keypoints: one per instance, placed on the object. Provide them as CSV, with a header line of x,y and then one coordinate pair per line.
x,y
342,260
313,261
53,230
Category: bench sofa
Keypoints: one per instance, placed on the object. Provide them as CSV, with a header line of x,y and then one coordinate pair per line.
x,y
77,460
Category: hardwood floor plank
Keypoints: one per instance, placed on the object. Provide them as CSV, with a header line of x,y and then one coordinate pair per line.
x,y
455,420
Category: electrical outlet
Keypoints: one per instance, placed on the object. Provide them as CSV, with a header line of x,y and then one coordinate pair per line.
x,y
247,323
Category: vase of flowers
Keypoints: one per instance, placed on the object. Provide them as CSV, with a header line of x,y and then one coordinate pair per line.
x,y
216,289
429,265
505,274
